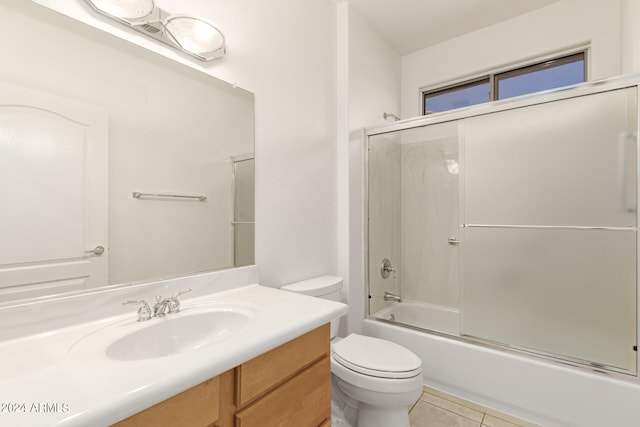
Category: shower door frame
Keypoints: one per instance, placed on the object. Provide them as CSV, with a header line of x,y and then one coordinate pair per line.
x,y
573,91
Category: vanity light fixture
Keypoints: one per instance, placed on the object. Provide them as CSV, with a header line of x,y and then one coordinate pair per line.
x,y
189,34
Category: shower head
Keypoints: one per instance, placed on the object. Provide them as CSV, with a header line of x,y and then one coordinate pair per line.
x,y
386,115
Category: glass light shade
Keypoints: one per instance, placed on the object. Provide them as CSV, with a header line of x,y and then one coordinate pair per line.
x,y
125,9
194,35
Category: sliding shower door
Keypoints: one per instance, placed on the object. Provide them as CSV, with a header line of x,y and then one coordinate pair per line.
x,y
549,228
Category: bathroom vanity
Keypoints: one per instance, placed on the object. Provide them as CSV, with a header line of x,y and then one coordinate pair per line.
x,y
237,354
287,386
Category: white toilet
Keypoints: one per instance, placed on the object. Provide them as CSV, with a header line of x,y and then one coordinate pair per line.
x,y
373,380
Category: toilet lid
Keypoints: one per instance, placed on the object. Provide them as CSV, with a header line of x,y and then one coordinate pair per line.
x,y
376,357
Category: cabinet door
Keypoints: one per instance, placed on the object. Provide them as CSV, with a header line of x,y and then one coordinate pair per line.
x,y
302,401
197,407
266,371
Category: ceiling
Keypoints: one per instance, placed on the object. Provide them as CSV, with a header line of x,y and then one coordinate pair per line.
x,y
410,25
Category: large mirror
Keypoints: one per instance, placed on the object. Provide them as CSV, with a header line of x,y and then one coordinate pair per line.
x,y
117,165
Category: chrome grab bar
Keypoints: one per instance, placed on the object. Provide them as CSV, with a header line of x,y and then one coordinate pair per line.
x,y
139,195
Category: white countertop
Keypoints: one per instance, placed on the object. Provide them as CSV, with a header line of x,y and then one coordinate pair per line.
x,y
42,384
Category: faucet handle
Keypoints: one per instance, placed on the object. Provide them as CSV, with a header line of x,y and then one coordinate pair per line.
x,y
144,311
177,294
160,308
386,269
174,303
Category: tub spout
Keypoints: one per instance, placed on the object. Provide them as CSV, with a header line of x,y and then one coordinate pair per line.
x,y
388,296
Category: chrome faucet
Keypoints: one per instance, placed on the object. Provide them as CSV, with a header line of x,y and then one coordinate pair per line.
x,y
161,308
388,296
166,306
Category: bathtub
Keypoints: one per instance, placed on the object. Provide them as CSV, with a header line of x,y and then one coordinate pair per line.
x,y
421,315
540,391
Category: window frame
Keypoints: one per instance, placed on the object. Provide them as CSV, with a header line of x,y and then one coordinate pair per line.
x,y
494,76
453,88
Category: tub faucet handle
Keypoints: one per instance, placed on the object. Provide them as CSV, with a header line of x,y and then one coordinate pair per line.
x,y
387,269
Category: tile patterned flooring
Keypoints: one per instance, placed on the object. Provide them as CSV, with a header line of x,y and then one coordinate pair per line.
x,y
437,409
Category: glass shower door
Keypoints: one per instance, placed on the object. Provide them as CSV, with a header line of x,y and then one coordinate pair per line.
x,y
549,228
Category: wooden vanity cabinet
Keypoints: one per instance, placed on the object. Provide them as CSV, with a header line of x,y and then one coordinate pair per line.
x,y
287,386
198,406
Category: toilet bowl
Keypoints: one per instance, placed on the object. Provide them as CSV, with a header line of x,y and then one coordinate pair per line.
x,y
373,380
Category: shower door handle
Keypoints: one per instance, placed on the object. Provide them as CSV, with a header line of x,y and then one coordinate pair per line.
x,y
453,241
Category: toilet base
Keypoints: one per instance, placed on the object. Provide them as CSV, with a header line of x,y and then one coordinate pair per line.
x,y
373,416
367,416
342,415
344,412
356,407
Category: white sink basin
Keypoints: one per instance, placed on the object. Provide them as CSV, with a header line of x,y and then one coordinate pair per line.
x,y
163,336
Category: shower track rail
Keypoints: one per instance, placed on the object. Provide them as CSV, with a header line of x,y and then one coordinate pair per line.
x,y
550,227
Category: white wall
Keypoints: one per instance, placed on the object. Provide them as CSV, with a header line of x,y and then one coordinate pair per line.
x,y
373,88
630,11
284,52
560,26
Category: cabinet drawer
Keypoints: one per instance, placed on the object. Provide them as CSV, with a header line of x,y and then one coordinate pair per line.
x,y
303,401
197,407
266,371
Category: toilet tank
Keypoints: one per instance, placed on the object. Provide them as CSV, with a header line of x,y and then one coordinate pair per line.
x,y
325,287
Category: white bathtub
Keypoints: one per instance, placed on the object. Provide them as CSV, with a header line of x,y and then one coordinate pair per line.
x,y
423,315
542,392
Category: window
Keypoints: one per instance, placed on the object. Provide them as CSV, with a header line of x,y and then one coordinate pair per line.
x,y
458,96
545,75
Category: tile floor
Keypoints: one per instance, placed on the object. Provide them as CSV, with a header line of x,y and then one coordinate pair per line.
x,y
437,409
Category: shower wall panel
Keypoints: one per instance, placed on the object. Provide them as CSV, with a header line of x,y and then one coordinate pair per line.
x,y
430,215
384,216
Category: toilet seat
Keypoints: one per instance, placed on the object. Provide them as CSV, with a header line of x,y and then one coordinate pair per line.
x,y
376,358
